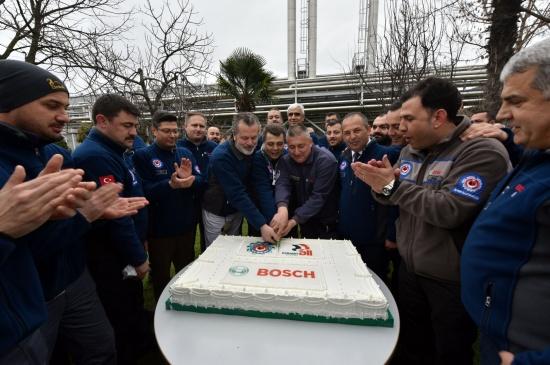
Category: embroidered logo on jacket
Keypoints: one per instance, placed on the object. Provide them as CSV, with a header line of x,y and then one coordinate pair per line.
x,y
405,169
469,186
157,163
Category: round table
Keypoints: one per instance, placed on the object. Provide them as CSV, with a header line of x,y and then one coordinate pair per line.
x,y
195,338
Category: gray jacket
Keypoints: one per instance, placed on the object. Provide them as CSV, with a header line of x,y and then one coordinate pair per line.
x,y
440,193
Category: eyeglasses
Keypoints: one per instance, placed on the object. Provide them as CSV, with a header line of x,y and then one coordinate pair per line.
x,y
294,114
169,131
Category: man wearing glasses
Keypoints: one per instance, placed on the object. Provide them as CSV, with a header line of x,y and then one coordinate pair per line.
x,y
170,177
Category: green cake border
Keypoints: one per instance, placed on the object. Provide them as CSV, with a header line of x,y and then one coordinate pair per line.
x,y
292,316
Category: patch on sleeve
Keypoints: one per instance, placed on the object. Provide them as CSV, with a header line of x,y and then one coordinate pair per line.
x,y
104,180
405,169
470,186
197,169
343,165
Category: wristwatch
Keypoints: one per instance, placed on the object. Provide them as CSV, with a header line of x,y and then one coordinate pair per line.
x,y
388,189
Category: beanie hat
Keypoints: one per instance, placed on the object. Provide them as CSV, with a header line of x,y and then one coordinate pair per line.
x,y
22,83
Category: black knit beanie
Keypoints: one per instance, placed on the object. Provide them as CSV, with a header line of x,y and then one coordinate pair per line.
x,y
22,83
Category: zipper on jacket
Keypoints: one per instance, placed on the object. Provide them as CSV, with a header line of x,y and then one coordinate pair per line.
x,y
487,302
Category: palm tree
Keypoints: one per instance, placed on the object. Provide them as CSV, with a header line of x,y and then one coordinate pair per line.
x,y
243,77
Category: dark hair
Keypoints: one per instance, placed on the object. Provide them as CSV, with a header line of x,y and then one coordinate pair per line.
x,y
274,129
330,114
111,104
247,118
479,109
396,105
436,93
163,116
331,123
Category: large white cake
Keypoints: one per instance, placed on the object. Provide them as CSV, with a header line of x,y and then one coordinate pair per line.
x,y
316,280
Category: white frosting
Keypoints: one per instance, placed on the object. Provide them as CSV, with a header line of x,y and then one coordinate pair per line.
x,y
314,277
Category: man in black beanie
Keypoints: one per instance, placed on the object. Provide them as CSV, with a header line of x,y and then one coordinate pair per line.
x,y
33,113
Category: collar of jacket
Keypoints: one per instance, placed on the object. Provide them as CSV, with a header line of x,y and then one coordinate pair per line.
x,y
236,152
97,136
312,155
187,141
14,135
159,149
348,151
339,147
268,159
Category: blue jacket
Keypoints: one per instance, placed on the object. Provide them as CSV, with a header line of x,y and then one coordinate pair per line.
x,y
201,152
309,189
229,185
36,267
171,211
337,150
119,239
505,266
265,173
362,219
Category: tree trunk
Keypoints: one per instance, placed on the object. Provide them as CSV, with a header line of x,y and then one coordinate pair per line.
x,y
502,38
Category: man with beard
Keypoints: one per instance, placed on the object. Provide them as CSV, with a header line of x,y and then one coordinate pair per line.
x,y
380,129
33,113
170,177
116,248
227,198
334,138
213,134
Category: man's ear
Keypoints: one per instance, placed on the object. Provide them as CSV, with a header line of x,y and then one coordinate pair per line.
x,y
440,116
100,120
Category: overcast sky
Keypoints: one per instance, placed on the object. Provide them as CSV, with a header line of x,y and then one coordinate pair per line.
x,y
261,26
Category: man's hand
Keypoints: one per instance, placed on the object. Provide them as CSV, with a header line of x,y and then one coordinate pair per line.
x,y
53,165
377,174
99,201
506,358
485,130
123,207
291,224
24,206
390,245
178,183
184,170
269,234
142,269
280,220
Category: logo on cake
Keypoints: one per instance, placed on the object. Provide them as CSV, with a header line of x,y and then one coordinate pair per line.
x,y
286,273
238,270
299,250
260,248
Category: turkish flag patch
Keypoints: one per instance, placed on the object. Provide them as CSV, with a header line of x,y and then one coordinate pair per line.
x,y
104,180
